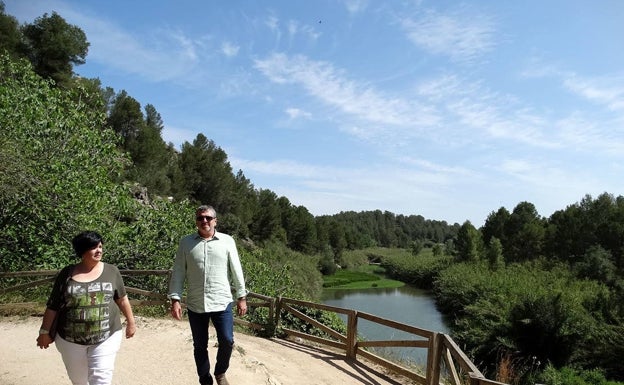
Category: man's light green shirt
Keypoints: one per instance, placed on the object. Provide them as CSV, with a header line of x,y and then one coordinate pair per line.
x,y
207,266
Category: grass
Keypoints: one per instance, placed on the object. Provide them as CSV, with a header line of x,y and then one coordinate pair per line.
x,y
364,278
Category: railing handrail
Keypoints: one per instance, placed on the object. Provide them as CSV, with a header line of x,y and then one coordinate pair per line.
x,y
441,348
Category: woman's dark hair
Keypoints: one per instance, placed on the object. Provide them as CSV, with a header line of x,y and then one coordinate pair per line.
x,y
86,241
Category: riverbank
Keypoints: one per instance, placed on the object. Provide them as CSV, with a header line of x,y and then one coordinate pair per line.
x,y
368,277
161,353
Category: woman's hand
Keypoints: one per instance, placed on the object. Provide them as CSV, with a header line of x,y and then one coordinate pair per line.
x,y
44,341
130,329
126,309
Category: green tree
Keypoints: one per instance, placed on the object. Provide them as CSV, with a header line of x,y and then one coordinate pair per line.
x,y
126,119
245,197
178,188
416,247
208,174
495,254
300,228
322,232
266,222
327,265
337,239
150,155
563,237
469,243
98,95
494,225
596,264
54,46
546,328
437,250
10,34
57,171
523,233
572,232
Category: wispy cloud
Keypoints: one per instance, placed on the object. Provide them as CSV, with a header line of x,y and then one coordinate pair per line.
x,y
355,6
326,190
590,137
272,22
606,90
594,127
324,82
229,49
473,108
160,56
460,36
296,113
435,167
280,168
295,28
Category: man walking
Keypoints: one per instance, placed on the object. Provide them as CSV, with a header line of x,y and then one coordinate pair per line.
x,y
206,260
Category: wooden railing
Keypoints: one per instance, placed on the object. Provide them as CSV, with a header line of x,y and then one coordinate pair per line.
x,y
445,363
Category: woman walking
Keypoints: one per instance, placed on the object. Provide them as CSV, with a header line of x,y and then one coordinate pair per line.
x,y
86,300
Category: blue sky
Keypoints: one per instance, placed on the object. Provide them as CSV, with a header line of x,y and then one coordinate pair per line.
x,y
444,109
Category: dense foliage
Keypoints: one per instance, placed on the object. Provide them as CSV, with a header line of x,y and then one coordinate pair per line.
x,y
56,171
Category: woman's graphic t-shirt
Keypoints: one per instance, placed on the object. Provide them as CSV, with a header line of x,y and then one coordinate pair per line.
x,y
91,314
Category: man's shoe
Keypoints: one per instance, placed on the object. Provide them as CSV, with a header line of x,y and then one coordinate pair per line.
x,y
221,380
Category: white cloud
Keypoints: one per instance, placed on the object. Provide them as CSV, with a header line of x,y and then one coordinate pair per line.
x,y
607,91
229,49
462,37
295,28
322,81
590,137
327,190
473,110
280,168
163,55
425,164
296,113
177,135
356,6
272,22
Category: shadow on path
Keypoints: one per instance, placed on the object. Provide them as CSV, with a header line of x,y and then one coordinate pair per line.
x,y
359,371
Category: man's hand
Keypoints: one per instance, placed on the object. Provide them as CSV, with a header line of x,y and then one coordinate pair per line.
x,y
241,306
176,310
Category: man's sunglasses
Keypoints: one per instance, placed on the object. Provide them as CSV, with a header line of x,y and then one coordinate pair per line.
x,y
200,218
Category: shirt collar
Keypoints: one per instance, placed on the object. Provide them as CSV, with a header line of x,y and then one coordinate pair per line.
x,y
215,236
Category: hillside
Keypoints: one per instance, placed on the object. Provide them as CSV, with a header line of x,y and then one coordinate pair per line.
x,y
161,353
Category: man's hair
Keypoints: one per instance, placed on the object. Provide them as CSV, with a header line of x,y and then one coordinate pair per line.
x,y
86,241
204,208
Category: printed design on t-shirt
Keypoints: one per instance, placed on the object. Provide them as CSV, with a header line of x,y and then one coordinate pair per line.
x,y
88,315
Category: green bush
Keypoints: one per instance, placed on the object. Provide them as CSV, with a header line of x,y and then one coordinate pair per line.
x,y
570,376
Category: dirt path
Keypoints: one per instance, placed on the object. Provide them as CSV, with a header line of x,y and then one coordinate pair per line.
x,y
161,353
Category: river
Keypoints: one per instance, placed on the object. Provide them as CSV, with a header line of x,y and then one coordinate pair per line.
x,y
406,304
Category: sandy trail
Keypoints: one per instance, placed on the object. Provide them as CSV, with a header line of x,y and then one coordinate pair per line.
x,y
161,353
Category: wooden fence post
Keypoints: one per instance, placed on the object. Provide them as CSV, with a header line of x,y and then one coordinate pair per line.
x,y
278,307
352,334
434,359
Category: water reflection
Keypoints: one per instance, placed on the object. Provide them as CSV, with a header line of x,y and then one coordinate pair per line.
x,y
406,304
